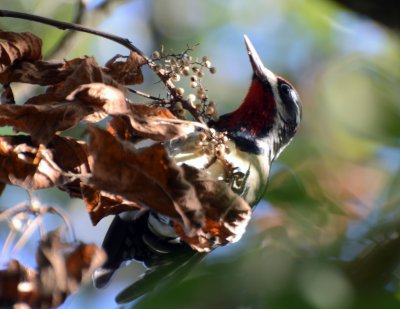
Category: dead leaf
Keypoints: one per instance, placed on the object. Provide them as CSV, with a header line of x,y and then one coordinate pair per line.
x,y
226,213
101,204
126,72
88,102
148,177
62,269
38,72
18,46
16,281
105,100
121,170
81,71
156,123
26,165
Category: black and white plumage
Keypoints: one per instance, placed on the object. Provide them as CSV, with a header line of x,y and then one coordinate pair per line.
x,y
258,131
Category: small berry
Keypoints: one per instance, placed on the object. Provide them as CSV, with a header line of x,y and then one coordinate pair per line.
x,y
193,84
210,110
201,94
186,71
191,98
156,55
193,78
176,77
207,64
200,74
180,91
213,70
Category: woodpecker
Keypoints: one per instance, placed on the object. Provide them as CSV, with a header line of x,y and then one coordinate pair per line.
x,y
258,131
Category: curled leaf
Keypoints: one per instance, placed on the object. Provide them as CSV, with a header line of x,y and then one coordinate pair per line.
x,y
88,102
80,71
27,166
100,204
62,269
156,123
18,46
31,167
226,214
126,72
138,176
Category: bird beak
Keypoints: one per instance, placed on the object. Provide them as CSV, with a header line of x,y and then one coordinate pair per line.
x,y
258,68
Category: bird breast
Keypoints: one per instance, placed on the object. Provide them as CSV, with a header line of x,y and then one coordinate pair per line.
x,y
246,173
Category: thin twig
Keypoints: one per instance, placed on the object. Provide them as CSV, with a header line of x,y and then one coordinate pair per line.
x,y
145,95
7,245
66,220
70,26
30,229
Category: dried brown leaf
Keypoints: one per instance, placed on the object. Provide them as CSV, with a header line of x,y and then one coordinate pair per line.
x,y
81,71
126,72
38,72
42,122
18,46
10,279
88,102
105,100
27,166
82,262
23,164
226,213
62,269
101,204
120,170
148,177
142,122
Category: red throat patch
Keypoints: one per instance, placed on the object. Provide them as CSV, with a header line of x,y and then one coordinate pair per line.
x,y
256,114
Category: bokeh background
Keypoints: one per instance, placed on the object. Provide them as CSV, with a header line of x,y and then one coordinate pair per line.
x,y
326,234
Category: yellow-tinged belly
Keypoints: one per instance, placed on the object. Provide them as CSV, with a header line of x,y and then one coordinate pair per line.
x,y
248,175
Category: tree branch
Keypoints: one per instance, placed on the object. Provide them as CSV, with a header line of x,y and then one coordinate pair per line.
x,y
165,78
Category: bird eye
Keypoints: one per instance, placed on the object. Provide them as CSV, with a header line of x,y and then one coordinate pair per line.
x,y
285,89
290,102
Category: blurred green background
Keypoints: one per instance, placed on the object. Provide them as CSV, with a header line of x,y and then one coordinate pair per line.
x,y
326,235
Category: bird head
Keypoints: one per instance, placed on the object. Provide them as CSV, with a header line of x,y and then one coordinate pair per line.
x,y
270,113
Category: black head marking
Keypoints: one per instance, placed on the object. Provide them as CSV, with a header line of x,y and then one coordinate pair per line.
x,y
290,111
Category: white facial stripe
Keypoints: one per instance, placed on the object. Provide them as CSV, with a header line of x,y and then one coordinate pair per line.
x,y
296,99
273,81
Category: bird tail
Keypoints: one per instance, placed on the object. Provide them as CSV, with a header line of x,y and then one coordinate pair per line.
x,y
130,237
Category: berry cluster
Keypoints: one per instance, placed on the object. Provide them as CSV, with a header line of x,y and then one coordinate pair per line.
x,y
176,66
213,143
